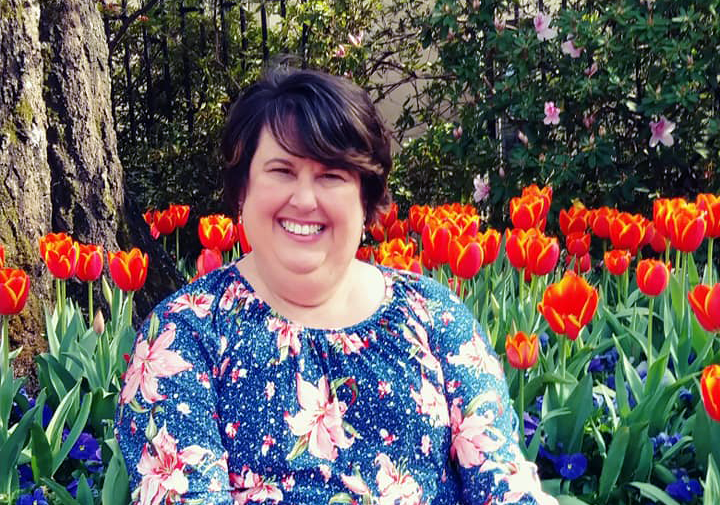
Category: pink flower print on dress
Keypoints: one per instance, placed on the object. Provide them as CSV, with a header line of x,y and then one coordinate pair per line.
x,y
473,436
320,422
568,47
522,479
542,27
356,484
325,471
417,336
268,442
251,487
396,488
431,402
235,291
348,344
475,354
661,132
384,389
163,476
288,336
425,445
288,482
150,363
387,437
199,303
552,114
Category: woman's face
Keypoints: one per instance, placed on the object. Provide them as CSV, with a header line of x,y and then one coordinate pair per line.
x,y
300,216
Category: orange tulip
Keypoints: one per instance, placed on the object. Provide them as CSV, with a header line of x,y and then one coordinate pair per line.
x,y
542,253
388,217
710,204
241,238
182,213
164,221
435,240
522,350
686,228
400,262
14,289
652,276
573,220
710,387
464,224
617,261
578,243
416,217
398,229
627,231
466,257
216,232
128,269
544,194
515,240
60,253
207,261
705,303
396,246
569,305
527,212
90,262
663,209
490,243
599,221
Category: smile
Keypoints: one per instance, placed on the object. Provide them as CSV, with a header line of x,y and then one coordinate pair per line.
x,y
301,229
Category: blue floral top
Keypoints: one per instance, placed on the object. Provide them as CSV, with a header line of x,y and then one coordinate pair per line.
x,y
225,401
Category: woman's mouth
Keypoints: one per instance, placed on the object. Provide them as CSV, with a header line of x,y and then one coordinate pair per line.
x,y
300,229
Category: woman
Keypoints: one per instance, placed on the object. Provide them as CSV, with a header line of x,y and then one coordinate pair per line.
x,y
300,375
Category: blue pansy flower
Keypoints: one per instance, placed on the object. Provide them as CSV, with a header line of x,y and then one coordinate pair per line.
x,y
684,489
73,486
571,466
26,476
86,448
37,498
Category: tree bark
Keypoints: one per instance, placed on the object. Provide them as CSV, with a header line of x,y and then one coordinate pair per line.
x,y
59,167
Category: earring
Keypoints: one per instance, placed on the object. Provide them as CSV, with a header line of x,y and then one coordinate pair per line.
x,y
239,219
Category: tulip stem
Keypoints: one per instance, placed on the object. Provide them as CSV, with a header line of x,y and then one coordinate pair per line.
x,y
521,406
90,302
4,347
177,246
709,261
649,333
521,283
562,356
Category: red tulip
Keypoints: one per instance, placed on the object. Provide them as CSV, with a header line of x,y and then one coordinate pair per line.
x,y
417,214
398,229
652,276
490,243
522,350
388,217
377,231
435,240
148,216
710,204
569,305
544,194
515,247
627,231
14,289
617,261
580,264
60,253
599,221
216,232
705,303
427,261
400,262
465,256
90,262
207,261
182,213
240,237
527,212
164,221
710,387
464,224
578,243
573,220
365,253
663,209
541,253
396,246
686,228
128,269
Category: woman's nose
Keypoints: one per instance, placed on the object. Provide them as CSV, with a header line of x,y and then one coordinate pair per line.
x,y
304,195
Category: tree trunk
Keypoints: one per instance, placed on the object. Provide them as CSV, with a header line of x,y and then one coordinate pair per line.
x,y
58,153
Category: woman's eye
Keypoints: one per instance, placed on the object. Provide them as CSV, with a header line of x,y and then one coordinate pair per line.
x,y
333,176
281,171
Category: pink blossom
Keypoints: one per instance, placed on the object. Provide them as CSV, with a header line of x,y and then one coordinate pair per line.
x,y
396,488
340,52
348,343
542,27
162,473
473,437
356,40
552,113
661,132
151,362
568,47
522,478
475,354
235,291
482,188
254,488
592,69
320,419
198,303
356,484
499,24
288,334
431,402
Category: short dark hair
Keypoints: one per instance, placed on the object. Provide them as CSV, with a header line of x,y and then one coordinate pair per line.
x,y
312,115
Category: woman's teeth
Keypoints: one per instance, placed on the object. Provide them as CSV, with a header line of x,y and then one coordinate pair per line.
x,y
301,229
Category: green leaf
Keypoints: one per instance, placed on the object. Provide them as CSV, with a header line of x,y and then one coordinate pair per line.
x,y
115,489
613,462
41,460
60,492
654,493
75,431
10,449
84,494
711,491
340,498
566,499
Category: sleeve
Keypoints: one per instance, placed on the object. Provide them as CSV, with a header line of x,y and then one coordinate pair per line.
x,y
484,446
166,419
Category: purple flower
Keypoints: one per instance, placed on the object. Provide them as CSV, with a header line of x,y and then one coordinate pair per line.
x,y
85,448
684,489
26,476
482,188
37,498
571,466
73,486
661,131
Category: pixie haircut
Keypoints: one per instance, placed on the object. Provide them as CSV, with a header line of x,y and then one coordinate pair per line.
x,y
311,115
